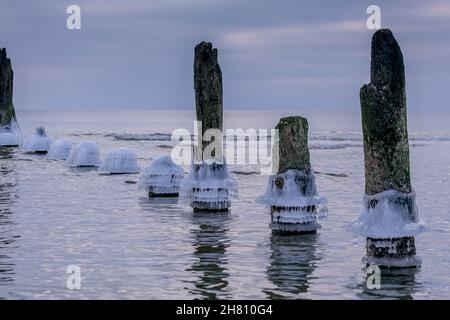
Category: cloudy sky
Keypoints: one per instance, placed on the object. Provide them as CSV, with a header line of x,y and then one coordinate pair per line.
x,y
284,54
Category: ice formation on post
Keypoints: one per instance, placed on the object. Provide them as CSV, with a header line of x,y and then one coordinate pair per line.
x,y
11,135
120,161
389,219
60,150
161,178
85,154
208,187
10,132
38,142
291,194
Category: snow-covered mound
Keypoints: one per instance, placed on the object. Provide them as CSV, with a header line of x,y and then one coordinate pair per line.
x,y
161,176
60,150
120,160
208,186
86,154
38,142
11,135
393,214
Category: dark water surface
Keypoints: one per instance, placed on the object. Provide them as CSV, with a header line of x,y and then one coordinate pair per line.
x,y
128,246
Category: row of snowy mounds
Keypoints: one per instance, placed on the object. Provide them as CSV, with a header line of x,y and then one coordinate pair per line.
x,y
11,135
294,189
208,183
38,142
389,214
85,154
161,176
121,160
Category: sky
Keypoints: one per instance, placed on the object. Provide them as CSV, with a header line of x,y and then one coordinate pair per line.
x,y
274,55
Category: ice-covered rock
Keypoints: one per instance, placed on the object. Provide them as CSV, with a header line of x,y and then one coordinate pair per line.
x,y
120,160
11,135
38,142
60,150
161,177
208,187
85,154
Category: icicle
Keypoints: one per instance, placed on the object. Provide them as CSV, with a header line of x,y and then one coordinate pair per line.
x,y
161,177
293,198
208,187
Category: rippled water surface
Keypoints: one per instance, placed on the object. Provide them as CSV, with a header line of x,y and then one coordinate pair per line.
x,y
128,246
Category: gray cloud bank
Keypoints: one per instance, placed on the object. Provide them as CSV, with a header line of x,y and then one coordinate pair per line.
x,y
274,54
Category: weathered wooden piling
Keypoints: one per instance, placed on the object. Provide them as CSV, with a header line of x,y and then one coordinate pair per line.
x,y
386,153
291,193
7,112
208,89
208,187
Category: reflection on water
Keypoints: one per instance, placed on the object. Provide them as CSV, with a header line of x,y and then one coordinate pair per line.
x,y
396,283
292,261
210,264
155,202
8,196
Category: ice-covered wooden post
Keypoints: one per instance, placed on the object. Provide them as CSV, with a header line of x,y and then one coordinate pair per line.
x,y
291,193
7,112
161,178
208,187
389,219
10,132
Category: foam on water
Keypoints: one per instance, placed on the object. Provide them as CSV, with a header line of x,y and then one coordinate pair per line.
x,y
161,176
394,215
120,160
60,150
85,154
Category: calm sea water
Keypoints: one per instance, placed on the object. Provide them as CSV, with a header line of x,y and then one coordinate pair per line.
x,y
129,247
